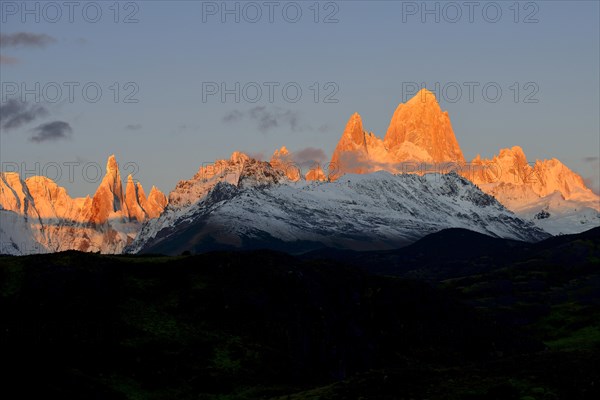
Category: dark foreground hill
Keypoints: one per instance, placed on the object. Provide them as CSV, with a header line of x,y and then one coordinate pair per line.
x,y
456,252
267,325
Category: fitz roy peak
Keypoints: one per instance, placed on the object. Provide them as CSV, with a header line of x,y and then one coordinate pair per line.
x,y
419,132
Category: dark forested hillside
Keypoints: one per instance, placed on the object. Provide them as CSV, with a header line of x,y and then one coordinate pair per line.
x,y
234,325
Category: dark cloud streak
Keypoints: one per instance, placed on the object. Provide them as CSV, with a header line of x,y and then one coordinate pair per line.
x,y
14,114
25,39
133,127
310,155
51,131
268,119
233,116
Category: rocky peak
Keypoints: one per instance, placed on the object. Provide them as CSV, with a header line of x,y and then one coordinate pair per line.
x,y
108,198
156,203
351,154
237,157
511,168
420,131
135,209
282,160
259,173
316,174
141,195
354,132
283,152
111,165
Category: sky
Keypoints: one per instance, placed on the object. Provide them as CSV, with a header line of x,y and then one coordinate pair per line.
x,y
170,86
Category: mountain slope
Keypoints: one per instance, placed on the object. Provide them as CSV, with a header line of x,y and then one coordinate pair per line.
x,y
362,212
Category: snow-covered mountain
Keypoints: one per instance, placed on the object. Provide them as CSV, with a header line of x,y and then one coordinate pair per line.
x,y
546,192
38,216
420,139
250,204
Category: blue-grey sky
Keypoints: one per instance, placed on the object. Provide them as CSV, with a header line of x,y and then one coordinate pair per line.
x,y
543,55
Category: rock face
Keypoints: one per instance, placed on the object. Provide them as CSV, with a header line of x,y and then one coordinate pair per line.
x,y
37,215
351,154
510,167
155,203
419,132
282,160
134,198
108,199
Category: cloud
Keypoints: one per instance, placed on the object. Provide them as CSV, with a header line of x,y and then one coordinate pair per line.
x,y
593,184
309,155
14,113
7,60
133,127
260,156
324,128
185,128
25,39
267,119
51,131
233,116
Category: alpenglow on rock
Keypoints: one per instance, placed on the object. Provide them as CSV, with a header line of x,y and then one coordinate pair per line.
x,y
38,216
546,192
419,132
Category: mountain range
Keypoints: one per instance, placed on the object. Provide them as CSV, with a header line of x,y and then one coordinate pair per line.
x,y
38,216
376,194
420,139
